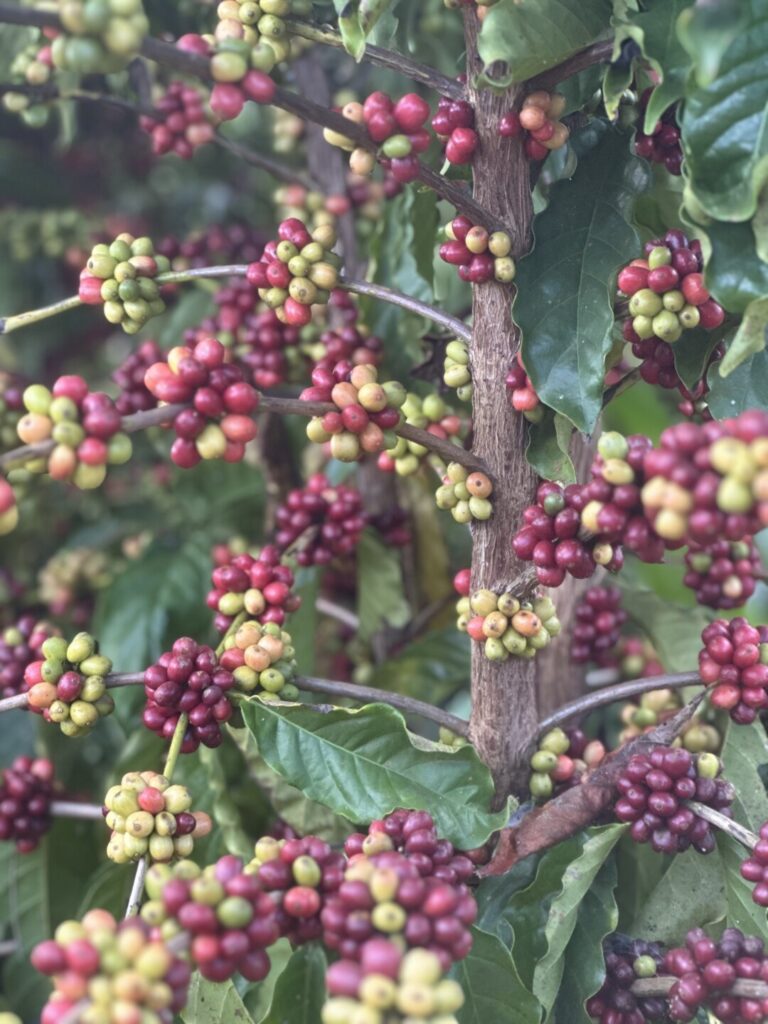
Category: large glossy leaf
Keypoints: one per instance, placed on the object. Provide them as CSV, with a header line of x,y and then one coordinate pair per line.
x,y
300,990
741,910
533,35
565,909
675,631
735,273
225,810
565,295
212,1002
691,894
492,987
745,388
584,967
548,445
357,19
724,124
24,898
362,765
381,602
432,668
494,894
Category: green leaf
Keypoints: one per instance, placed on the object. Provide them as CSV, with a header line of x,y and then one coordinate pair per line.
x,y
362,765
212,1002
225,811
745,388
745,749
724,124
653,29
381,601
432,668
300,990
24,898
493,896
741,910
750,336
584,968
706,32
302,624
674,631
735,274
565,909
492,987
531,36
691,894
357,19
548,448
192,306
692,353
565,294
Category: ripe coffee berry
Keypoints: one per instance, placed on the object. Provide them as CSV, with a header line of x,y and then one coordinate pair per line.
x,y
230,918
219,423
134,395
150,817
9,510
625,962
662,145
429,413
182,123
350,343
257,584
85,427
537,123
724,573
654,792
453,123
68,687
466,494
189,680
120,277
599,618
735,660
26,791
261,658
21,644
755,868
396,127
322,522
121,969
479,256
505,626
300,874
522,393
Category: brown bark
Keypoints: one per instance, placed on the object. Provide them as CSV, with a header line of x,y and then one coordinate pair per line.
x,y
504,707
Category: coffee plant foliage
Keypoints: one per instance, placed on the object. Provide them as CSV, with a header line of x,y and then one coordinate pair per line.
x,y
460,308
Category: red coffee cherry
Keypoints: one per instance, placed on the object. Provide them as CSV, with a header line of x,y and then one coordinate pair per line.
x,y
732,663
182,123
26,792
329,521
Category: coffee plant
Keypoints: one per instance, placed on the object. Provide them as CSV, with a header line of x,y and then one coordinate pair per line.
x,y
383,505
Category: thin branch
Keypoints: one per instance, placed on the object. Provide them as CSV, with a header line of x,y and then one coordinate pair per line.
x,y
728,825
337,612
611,694
72,809
266,163
13,323
364,694
597,53
390,59
137,889
379,291
745,988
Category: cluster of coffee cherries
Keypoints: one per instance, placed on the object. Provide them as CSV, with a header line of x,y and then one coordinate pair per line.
x,y
561,761
238,69
502,623
219,422
466,494
398,128
20,644
180,123
479,256
707,971
352,342
26,792
523,393
256,584
627,960
654,789
149,816
261,658
403,883
32,65
698,736
456,371
9,510
120,968
390,985
300,875
666,289
230,919
71,578
134,395
537,123
596,632
261,24
68,686
636,658
734,663
454,124
723,573
11,406
99,38
120,277
310,206
84,426
429,413
662,145
297,271
236,242
754,868
365,409
323,521
189,679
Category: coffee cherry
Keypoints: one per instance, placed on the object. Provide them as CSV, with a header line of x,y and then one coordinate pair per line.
x,y
599,618
129,376
277,285
255,583
654,790
99,40
181,124
522,393
662,146
431,414
626,961
329,521
734,663
455,494
68,686
21,644
472,250
120,278
188,679
505,625
723,573
26,792
261,657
